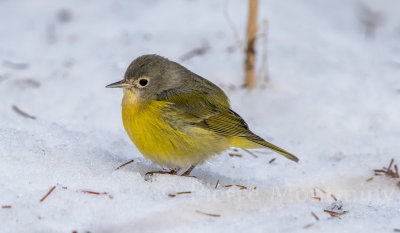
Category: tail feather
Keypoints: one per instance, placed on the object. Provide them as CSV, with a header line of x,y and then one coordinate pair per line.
x,y
279,150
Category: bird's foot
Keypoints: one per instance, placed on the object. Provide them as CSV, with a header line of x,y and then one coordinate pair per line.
x,y
172,172
188,171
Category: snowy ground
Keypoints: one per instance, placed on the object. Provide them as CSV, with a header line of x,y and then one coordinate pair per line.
x,y
333,100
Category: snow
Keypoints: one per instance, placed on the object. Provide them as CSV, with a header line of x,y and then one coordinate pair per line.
x,y
333,101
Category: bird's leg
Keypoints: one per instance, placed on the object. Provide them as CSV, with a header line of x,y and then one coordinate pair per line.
x,y
172,172
188,171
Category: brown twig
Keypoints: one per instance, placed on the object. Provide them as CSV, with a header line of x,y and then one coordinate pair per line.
x,y
390,165
48,193
241,186
308,226
315,216
92,192
6,206
216,185
379,171
336,214
249,63
22,113
97,193
336,209
186,192
369,179
272,160
123,165
208,214
315,193
235,155
394,173
333,196
178,193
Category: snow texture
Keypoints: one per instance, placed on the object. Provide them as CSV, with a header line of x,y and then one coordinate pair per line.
x,y
333,100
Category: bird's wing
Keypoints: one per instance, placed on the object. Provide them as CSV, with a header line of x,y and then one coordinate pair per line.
x,y
207,110
194,105
210,111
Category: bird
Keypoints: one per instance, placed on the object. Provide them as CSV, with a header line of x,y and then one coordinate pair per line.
x,y
178,119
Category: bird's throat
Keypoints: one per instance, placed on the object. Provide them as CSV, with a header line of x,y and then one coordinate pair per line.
x,y
131,100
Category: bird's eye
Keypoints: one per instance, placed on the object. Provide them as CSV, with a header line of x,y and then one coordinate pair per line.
x,y
143,82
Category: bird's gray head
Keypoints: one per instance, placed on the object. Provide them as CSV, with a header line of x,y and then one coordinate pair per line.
x,y
150,75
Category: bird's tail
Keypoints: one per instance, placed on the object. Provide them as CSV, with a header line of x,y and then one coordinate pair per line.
x,y
279,150
252,141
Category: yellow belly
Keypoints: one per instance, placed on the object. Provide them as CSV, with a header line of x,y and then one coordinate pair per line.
x,y
161,143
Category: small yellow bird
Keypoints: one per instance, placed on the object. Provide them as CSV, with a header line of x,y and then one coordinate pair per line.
x,y
178,119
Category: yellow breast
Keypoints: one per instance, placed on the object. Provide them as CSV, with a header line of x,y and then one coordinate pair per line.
x,y
163,144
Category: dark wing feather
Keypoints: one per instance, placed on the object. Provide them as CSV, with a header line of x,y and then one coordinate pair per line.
x,y
211,111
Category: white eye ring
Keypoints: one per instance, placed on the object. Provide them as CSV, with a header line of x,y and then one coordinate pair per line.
x,y
142,82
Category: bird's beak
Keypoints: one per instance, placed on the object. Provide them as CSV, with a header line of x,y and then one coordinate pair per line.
x,y
119,84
